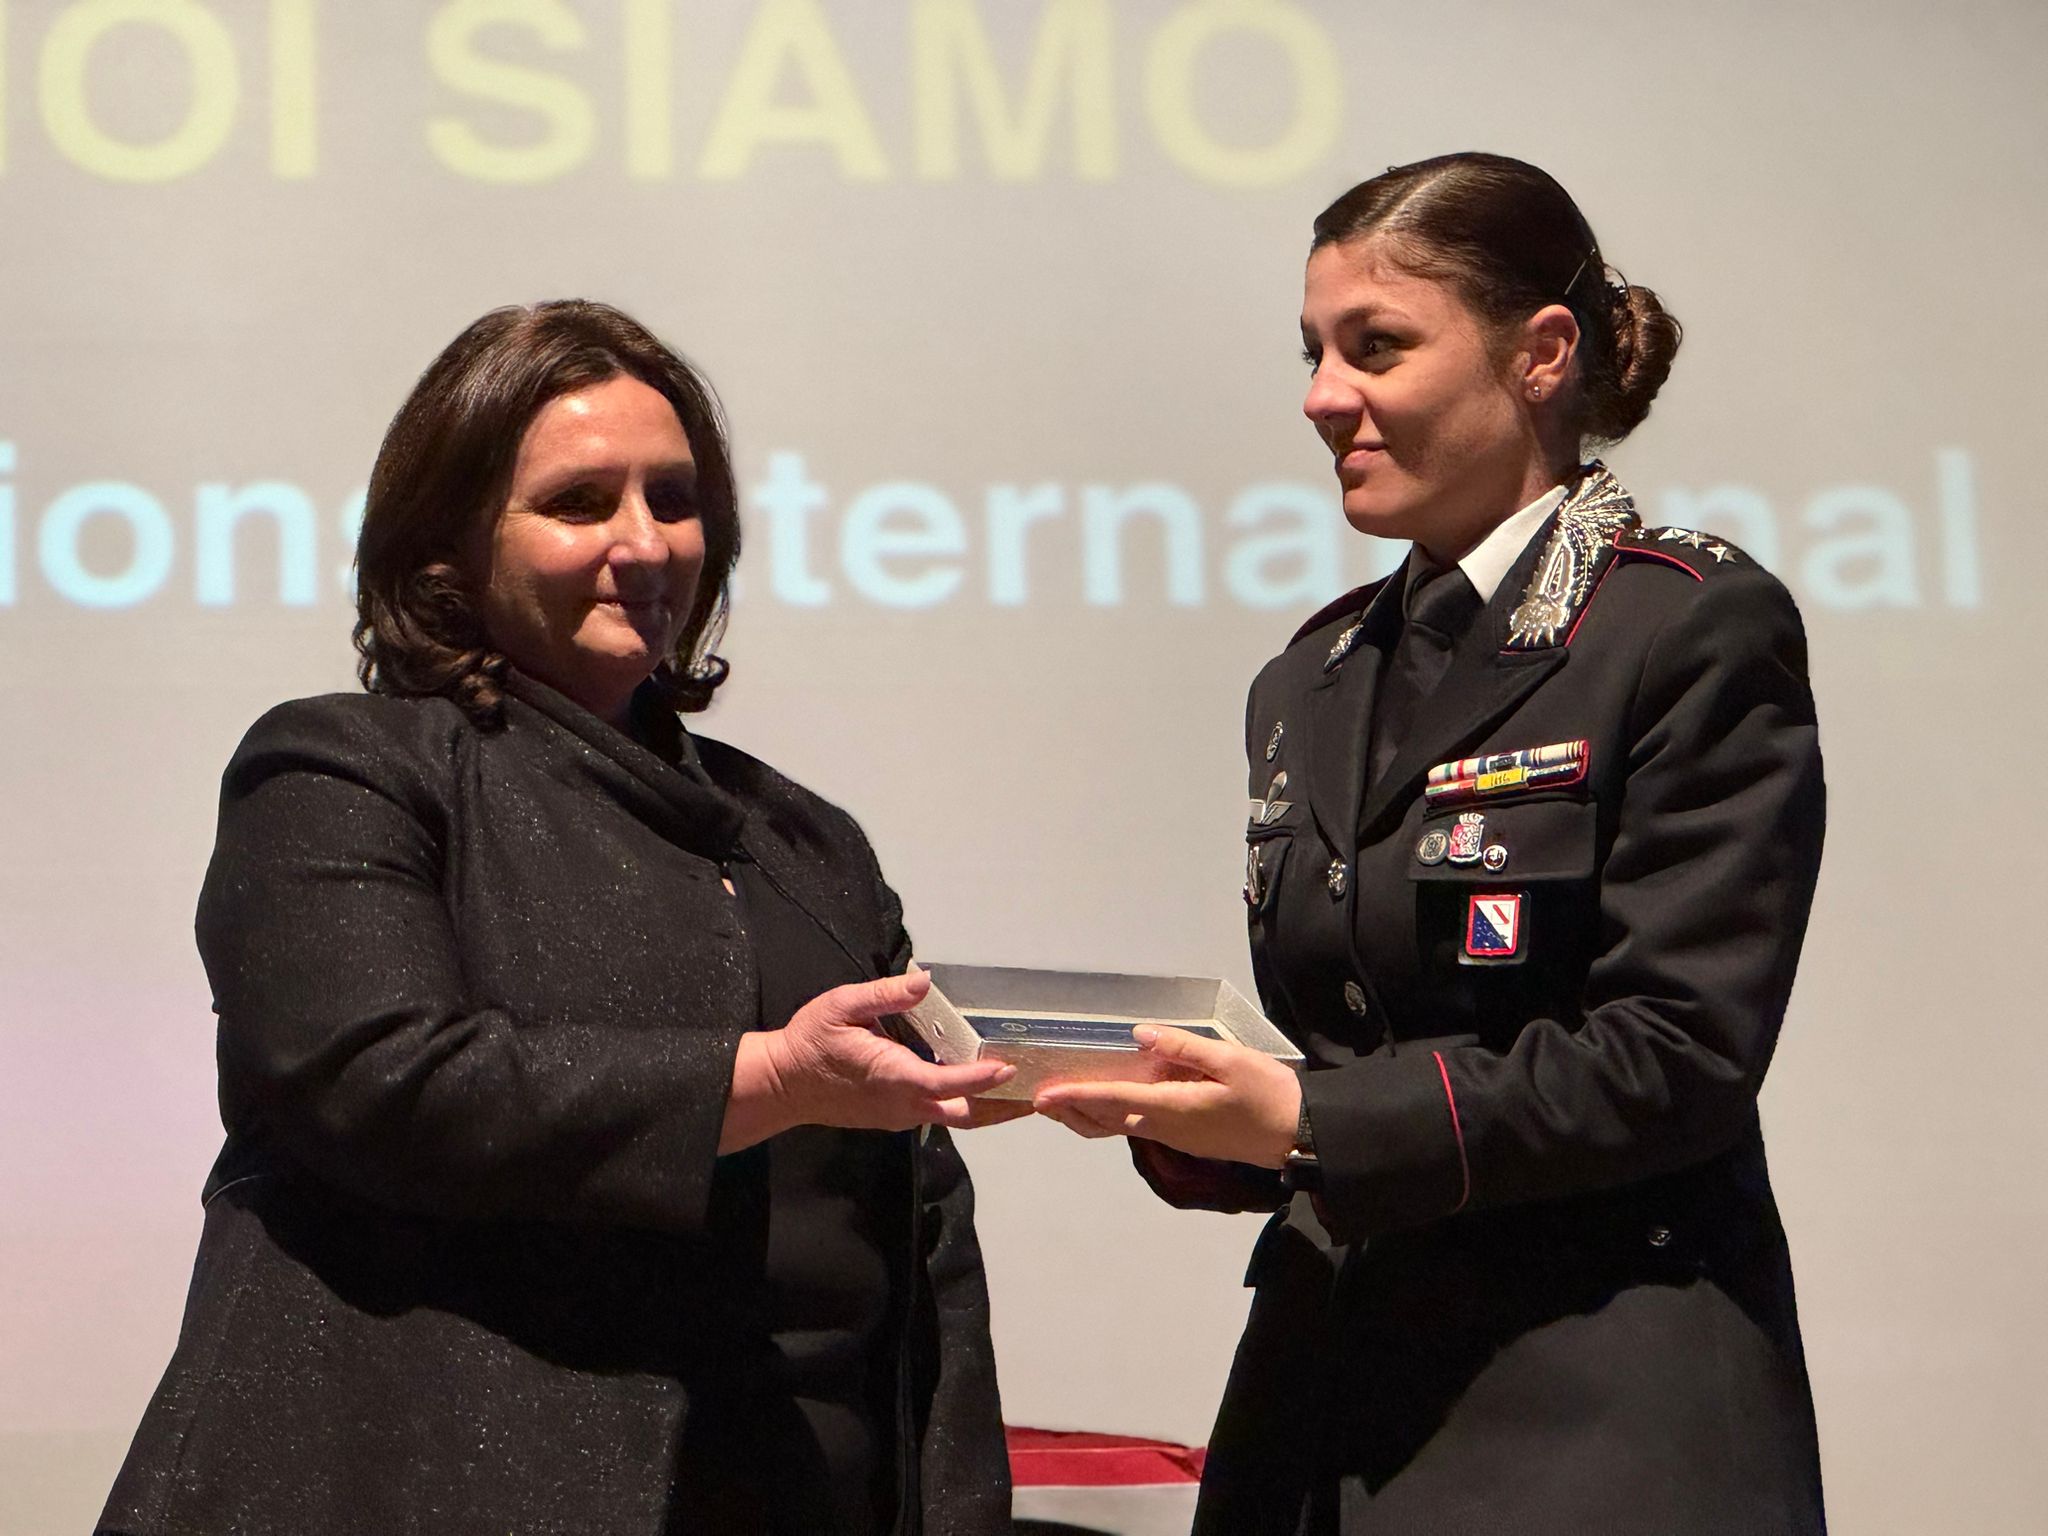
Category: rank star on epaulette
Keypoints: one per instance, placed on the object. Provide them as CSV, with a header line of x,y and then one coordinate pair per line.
x,y
1691,538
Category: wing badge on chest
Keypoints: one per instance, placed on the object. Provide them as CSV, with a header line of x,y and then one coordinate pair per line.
x,y
1265,813
1269,810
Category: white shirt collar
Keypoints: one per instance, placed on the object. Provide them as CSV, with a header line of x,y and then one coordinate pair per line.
x,y
1488,565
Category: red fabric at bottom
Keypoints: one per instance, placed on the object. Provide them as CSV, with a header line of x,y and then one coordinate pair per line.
x,y
1058,1458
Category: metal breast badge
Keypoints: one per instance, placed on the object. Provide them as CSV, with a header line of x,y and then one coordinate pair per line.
x,y
1269,810
1468,838
1255,875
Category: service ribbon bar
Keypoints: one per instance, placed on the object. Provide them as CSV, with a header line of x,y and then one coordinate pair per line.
x,y
1503,773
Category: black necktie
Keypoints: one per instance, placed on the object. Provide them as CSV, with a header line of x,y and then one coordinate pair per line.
x,y
1438,606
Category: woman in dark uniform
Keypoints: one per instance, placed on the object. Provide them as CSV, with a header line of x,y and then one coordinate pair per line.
x,y
567,1184
1535,827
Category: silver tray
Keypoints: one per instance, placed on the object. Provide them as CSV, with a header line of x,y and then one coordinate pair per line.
x,y
1066,1026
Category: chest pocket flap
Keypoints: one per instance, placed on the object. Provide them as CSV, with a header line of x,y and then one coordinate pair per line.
x,y
1523,841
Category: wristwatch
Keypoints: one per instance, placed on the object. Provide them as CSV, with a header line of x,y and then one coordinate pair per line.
x,y
1303,1170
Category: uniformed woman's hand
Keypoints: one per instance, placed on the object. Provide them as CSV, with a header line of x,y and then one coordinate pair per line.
x,y
1232,1102
831,1066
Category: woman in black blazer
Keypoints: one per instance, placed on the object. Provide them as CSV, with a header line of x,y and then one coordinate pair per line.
x,y
568,1185
1535,826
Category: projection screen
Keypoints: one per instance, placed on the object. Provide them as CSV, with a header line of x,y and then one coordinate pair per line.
x,y
1001,297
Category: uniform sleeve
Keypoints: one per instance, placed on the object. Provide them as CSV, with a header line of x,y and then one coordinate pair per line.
x,y
1704,897
1190,1183
347,1033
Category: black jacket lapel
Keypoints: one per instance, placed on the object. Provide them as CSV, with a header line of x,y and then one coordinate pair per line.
x,y
1483,683
1335,717
1481,687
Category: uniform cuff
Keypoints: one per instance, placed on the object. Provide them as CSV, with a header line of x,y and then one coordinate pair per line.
x,y
1205,1184
1390,1143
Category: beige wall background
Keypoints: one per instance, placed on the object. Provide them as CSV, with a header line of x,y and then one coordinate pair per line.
x,y
1001,295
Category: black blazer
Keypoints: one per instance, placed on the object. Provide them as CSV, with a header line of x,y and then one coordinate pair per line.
x,y
1543,1287
461,1269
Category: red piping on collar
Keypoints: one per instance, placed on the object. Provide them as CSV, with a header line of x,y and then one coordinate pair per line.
x,y
1633,551
1619,554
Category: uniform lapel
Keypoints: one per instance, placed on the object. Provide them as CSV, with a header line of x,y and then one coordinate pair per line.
x,y
1338,706
1483,683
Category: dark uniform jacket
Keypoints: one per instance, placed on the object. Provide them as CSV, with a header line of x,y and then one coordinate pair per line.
x,y
470,1260
1544,1287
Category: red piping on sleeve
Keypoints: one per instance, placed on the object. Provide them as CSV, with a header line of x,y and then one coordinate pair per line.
x,y
1458,1130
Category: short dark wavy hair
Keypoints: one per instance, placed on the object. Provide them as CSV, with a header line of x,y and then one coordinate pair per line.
x,y
446,465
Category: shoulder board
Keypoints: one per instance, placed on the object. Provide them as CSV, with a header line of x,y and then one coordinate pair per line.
x,y
1690,550
1353,603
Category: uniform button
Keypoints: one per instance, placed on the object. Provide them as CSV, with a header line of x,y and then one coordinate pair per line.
x,y
1660,1237
1338,878
1354,998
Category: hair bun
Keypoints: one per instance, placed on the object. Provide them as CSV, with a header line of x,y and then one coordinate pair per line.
x,y
1646,338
